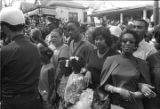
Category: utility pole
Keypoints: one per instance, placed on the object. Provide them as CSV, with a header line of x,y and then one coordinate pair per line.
x,y
0,5
156,12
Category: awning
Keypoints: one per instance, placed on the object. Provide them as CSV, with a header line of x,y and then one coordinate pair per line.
x,y
65,4
42,11
46,11
33,12
109,12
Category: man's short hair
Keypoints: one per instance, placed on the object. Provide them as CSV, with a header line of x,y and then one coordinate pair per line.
x,y
18,27
74,22
144,21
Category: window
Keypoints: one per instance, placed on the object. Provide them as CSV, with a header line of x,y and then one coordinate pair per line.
x,y
73,16
85,16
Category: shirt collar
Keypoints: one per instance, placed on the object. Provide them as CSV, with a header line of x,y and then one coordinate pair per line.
x,y
142,42
19,36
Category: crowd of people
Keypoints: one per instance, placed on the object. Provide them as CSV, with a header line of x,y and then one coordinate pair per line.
x,y
75,66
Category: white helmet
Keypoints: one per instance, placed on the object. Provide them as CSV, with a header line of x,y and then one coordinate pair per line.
x,y
12,16
115,30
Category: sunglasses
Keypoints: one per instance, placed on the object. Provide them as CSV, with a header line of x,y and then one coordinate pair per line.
x,y
130,41
138,26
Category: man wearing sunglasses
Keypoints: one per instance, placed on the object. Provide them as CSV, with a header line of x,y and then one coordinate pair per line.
x,y
144,49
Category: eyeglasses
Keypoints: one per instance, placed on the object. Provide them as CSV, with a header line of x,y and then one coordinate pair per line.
x,y
138,26
130,41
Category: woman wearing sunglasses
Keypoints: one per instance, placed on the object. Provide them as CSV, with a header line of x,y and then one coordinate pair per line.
x,y
122,73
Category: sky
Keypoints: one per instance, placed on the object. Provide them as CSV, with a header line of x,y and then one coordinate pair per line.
x,y
103,4
112,4
120,3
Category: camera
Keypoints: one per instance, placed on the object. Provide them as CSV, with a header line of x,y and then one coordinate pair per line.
x,y
71,60
4,38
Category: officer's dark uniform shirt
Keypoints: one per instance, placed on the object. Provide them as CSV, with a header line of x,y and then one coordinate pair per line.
x,y
20,62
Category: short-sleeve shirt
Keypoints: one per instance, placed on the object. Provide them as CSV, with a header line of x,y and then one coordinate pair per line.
x,y
144,50
21,64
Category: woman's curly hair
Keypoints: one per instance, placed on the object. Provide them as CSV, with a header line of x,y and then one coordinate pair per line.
x,y
105,32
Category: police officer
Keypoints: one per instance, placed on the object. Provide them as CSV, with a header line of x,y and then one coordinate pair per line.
x,y
20,64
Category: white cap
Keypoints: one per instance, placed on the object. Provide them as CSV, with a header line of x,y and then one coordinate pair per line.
x,y
115,30
130,23
12,16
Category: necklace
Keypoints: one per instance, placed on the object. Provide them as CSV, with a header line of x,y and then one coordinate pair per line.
x,y
101,55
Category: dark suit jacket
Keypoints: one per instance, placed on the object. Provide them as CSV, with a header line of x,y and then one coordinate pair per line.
x,y
154,63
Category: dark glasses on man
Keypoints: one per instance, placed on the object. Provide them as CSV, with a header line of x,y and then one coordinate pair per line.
x,y
138,26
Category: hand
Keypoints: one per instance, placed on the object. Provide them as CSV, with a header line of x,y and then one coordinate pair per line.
x,y
88,76
137,94
44,95
124,93
146,90
110,88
